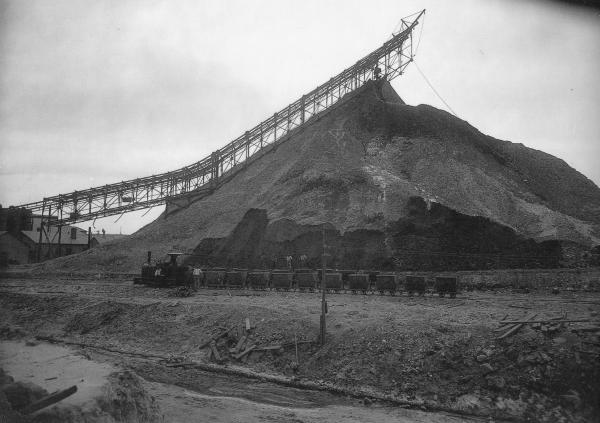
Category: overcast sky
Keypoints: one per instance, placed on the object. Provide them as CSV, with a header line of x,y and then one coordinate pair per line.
x,y
99,91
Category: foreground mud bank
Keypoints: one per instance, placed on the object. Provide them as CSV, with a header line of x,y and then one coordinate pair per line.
x,y
104,392
432,352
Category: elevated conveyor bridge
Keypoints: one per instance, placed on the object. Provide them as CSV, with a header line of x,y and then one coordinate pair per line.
x,y
203,177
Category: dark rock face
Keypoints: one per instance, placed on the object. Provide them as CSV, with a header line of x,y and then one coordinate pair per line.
x,y
266,245
435,237
430,237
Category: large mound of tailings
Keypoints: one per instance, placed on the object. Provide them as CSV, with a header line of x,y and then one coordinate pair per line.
x,y
390,182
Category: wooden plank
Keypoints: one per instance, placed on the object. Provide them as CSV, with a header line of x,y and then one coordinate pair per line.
x,y
246,351
515,328
215,352
548,321
49,400
240,344
504,327
527,317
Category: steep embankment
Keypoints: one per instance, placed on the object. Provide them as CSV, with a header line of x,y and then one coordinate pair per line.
x,y
388,180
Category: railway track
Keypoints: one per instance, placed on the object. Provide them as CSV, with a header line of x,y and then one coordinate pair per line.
x,y
329,291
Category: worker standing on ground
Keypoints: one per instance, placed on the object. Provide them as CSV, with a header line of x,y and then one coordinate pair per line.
x,y
197,273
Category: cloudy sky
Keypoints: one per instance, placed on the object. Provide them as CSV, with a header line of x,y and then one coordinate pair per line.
x,y
98,91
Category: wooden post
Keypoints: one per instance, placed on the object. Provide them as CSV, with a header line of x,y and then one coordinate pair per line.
x,y
215,166
261,135
59,239
323,289
247,140
296,342
39,246
46,231
60,216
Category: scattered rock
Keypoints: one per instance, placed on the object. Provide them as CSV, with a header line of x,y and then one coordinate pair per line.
x,y
481,358
488,352
496,382
487,367
573,398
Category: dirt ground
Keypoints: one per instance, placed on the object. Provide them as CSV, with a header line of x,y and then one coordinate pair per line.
x,y
104,393
429,353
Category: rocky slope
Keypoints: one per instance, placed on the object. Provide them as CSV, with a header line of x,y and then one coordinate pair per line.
x,y
389,182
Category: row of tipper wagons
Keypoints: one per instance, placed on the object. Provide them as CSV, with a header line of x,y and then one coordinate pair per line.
x,y
335,281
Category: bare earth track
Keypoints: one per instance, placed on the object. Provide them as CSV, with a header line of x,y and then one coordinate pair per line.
x,y
418,352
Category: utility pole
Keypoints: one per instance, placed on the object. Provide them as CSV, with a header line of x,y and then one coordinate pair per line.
x,y
323,289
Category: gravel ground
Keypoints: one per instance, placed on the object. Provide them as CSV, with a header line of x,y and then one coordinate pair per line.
x,y
437,352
